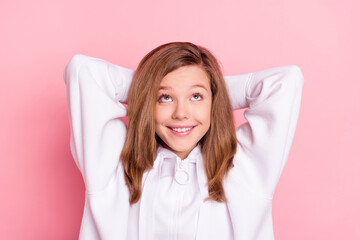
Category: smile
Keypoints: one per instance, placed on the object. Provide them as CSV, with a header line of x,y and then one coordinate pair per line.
x,y
181,131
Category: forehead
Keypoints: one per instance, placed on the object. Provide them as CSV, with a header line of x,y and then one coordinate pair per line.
x,y
185,77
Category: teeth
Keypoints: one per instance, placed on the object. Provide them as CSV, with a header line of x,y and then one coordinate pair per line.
x,y
181,129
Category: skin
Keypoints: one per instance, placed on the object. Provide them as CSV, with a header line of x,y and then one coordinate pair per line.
x,y
180,103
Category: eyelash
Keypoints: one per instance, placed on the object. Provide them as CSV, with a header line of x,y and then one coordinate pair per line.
x,y
167,95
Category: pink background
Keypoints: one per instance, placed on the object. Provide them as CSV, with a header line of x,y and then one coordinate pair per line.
x,y
42,192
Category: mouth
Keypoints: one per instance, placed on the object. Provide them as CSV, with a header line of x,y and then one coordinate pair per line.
x,y
181,130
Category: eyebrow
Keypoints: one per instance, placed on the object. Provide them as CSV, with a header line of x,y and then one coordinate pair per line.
x,y
193,86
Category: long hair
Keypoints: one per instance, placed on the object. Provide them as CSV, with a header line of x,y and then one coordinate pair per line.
x,y
218,145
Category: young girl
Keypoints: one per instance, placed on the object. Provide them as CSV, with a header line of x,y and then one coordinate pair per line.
x,y
180,170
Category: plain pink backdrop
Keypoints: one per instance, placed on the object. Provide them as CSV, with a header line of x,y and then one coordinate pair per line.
x,y
42,192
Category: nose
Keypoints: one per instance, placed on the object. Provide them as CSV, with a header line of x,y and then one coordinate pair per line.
x,y
180,111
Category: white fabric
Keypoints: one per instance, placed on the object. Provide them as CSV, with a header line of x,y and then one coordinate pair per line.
x,y
177,199
169,209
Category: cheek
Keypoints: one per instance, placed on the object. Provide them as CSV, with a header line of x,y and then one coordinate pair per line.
x,y
204,115
161,114
158,120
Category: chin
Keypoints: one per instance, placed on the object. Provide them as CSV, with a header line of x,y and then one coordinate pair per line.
x,y
182,147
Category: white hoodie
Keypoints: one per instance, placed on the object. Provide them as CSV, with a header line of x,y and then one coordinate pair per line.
x,y
172,206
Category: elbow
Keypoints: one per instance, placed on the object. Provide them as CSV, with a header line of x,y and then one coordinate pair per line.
x,y
77,58
73,66
294,74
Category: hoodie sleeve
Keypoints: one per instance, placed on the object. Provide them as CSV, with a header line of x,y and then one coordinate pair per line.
x,y
272,98
95,89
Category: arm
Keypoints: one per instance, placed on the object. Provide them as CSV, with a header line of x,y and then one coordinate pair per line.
x,y
95,89
273,99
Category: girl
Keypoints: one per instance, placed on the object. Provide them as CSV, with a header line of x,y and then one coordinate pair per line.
x,y
180,170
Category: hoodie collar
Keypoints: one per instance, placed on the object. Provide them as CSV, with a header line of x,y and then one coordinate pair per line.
x,y
166,153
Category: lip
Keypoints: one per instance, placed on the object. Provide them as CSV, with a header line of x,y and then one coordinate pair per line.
x,y
179,126
181,134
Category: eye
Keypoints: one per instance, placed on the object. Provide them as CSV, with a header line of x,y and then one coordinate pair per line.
x,y
197,96
164,98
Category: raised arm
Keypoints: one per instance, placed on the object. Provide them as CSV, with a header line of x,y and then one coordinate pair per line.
x,y
273,98
95,89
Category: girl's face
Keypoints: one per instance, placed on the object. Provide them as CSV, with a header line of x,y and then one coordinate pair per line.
x,y
183,108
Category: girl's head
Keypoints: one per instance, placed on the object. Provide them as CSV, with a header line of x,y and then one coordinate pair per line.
x,y
178,98
183,109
